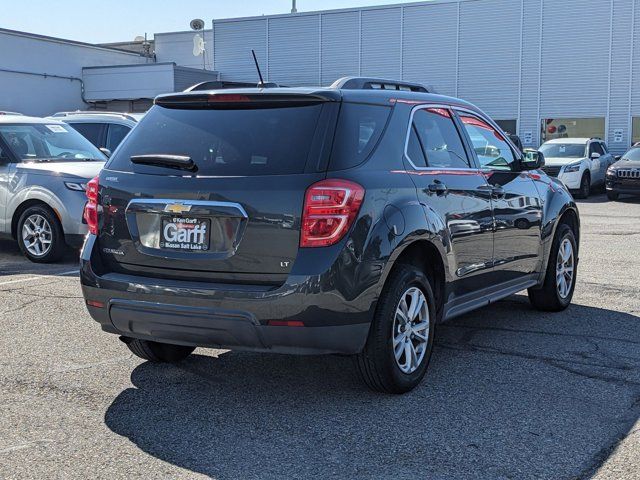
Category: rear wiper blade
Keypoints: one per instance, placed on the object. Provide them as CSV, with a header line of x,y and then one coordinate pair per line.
x,y
163,160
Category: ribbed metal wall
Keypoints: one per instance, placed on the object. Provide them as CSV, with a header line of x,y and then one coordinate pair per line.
x,y
233,42
575,58
634,35
429,40
516,59
619,73
489,55
340,45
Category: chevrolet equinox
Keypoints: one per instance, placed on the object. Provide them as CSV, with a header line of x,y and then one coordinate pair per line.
x,y
341,220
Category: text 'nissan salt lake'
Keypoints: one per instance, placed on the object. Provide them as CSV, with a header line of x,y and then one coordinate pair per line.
x,y
349,219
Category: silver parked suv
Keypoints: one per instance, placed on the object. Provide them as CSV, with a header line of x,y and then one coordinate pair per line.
x,y
44,168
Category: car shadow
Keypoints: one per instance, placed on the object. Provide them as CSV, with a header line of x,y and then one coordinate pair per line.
x,y
510,393
13,262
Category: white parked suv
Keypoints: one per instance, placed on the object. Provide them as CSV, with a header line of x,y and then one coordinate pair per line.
x,y
579,163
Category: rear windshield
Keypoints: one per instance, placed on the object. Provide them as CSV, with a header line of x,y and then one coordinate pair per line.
x,y
236,142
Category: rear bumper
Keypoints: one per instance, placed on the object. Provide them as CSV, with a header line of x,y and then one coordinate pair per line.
x,y
229,316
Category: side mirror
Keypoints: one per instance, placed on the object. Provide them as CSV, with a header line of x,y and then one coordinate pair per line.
x,y
617,157
106,151
532,160
595,155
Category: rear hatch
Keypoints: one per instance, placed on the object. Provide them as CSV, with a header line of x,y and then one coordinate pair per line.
x,y
211,186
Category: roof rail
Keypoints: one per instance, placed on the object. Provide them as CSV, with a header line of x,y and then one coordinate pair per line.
x,y
366,83
94,112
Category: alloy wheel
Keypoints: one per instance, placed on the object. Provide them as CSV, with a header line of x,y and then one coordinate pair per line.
x,y
564,268
37,235
411,330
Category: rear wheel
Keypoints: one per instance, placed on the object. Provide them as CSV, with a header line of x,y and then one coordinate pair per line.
x,y
560,280
158,352
612,195
585,186
398,349
40,235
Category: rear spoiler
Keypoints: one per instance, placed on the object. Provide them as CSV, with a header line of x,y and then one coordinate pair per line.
x,y
251,100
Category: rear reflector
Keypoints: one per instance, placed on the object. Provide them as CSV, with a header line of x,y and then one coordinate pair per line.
x,y
330,207
285,323
95,303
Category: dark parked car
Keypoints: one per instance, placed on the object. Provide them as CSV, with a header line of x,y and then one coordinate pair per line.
x,y
623,177
318,221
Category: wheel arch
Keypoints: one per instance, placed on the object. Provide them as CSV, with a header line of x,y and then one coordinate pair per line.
x,y
426,255
24,206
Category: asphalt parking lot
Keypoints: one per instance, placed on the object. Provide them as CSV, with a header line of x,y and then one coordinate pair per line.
x,y
511,393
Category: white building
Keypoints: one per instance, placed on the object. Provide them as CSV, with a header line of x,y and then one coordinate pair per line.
x,y
542,68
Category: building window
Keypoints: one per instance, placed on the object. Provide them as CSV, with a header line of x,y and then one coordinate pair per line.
x,y
635,134
572,127
508,126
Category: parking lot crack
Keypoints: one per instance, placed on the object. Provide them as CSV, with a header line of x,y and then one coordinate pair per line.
x,y
551,361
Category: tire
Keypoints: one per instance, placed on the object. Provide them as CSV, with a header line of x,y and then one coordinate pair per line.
x,y
40,221
612,195
551,297
585,186
158,352
377,363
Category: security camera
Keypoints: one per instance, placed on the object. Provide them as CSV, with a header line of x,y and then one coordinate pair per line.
x,y
196,24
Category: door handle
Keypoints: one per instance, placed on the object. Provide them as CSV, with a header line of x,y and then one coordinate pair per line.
x,y
496,191
437,187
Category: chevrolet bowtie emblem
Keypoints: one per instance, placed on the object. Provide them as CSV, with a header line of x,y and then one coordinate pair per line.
x,y
177,208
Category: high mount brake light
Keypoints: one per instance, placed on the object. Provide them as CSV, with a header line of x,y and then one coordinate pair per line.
x,y
91,208
227,97
330,208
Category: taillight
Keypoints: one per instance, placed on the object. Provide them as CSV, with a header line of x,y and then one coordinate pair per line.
x,y
330,207
91,208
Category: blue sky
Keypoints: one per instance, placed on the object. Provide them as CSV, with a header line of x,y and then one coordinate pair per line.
x,y
119,20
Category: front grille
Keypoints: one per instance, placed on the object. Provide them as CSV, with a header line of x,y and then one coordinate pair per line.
x,y
551,171
628,173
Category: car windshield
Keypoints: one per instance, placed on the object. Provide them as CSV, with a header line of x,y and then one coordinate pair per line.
x,y
48,142
632,155
563,150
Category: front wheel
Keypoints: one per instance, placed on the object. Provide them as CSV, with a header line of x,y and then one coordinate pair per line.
x,y
39,235
585,186
560,280
612,195
398,349
158,352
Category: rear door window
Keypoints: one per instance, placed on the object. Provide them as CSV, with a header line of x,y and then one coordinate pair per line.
x,y
224,142
94,132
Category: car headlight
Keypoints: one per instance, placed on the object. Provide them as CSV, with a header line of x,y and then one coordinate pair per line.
x,y
611,172
573,167
78,187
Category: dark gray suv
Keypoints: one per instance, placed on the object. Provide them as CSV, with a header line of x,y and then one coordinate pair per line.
x,y
348,219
